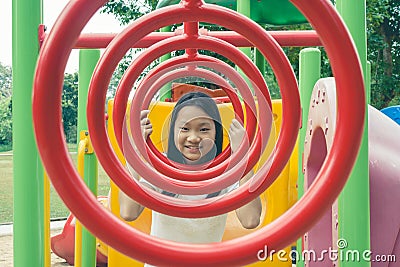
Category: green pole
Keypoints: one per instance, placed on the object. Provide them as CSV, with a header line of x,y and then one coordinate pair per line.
x,y
165,91
368,82
243,7
354,215
260,61
88,240
27,171
309,74
87,61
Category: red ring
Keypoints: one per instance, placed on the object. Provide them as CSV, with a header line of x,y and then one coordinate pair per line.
x,y
171,15
234,100
337,167
177,43
224,179
175,75
184,187
232,75
236,105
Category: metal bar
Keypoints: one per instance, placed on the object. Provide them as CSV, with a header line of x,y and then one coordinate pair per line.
x,y
284,38
87,62
28,176
309,73
354,201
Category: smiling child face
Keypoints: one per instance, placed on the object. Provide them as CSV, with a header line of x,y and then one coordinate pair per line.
x,y
194,133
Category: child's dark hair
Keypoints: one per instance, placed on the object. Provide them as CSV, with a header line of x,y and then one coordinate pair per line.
x,y
207,104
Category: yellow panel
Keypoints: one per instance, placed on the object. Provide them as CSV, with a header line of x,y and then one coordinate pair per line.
x,y
116,259
143,223
275,200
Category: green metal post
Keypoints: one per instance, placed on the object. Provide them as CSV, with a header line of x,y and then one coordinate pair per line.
x,y
354,210
88,240
87,61
260,61
243,7
28,179
165,91
309,74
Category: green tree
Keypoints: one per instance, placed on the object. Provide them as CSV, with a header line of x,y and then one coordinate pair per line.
x,y
383,22
5,108
126,11
5,123
5,80
383,28
69,105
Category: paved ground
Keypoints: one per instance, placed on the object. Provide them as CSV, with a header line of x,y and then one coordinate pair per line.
x,y
6,246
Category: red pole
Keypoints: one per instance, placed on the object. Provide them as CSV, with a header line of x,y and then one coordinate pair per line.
x,y
284,38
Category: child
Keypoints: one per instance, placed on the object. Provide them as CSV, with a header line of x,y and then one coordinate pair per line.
x,y
195,138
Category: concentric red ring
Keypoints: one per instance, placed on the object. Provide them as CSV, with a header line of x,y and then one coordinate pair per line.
x,y
126,39
169,44
241,251
151,92
223,176
142,27
232,75
236,79
207,43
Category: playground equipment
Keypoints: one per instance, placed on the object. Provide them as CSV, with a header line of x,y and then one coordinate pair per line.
x,y
384,178
63,244
279,233
393,113
280,196
277,13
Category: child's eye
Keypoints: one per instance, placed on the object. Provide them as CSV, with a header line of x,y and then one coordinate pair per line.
x,y
184,129
204,129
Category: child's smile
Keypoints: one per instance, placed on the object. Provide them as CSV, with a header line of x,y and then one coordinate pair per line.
x,y
194,133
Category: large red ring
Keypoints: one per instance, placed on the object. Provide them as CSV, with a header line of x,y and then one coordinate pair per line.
x,y
278,234
229,177
238,168
232,75
175,43
171,15
141,61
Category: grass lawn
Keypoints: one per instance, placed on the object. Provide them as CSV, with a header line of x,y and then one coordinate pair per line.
x,y
57,207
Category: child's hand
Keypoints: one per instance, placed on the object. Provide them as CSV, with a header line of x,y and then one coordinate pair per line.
x,y
145,124
236,134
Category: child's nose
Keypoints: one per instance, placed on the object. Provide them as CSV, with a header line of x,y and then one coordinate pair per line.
x,y
193,137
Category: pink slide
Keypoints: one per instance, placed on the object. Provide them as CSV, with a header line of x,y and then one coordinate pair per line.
x,y
384,177
384,167
63,244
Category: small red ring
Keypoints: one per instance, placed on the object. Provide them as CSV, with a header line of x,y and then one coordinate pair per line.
x,y
235,103
224,179
234,76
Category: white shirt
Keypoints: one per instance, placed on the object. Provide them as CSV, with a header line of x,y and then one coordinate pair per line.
x,y
189,230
